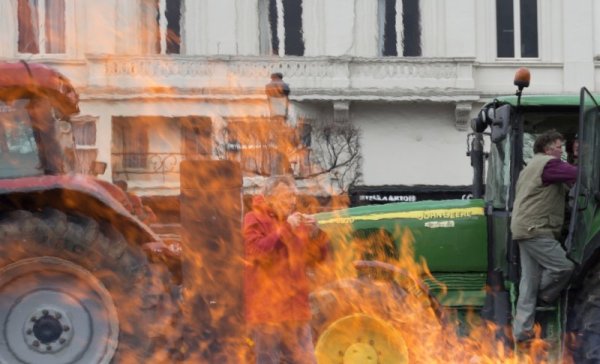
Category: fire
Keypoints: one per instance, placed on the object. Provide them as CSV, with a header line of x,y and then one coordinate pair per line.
x,y
369,304
385,315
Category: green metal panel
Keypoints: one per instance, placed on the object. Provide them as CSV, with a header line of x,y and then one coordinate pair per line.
x,y
541,100
449,235
458,289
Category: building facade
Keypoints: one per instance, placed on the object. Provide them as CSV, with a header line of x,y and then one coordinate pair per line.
x,y
160,80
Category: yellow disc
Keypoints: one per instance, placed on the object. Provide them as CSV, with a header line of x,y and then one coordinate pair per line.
x,y
361,339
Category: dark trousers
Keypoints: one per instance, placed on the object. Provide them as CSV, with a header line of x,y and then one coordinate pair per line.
x,y
545,271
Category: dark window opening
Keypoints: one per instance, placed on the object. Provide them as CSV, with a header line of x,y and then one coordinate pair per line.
x,y
153,34
529,31
411,16
249,142
53,38
173,36
505,28
85,153
28,27
292,22
273,26
389,30
84,133
196,134
134,140
507,46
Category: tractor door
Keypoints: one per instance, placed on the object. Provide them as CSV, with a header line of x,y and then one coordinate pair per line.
x,y
586,195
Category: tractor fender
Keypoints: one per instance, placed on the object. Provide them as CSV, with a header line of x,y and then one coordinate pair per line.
x,y
79,194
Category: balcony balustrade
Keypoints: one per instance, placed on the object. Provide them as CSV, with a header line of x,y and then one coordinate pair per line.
x,y
158,166
320,77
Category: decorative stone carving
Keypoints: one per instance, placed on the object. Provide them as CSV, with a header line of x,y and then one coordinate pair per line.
x,y
462,114
341,111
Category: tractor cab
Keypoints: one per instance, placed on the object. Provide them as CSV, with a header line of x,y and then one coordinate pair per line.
x,y
35,132
28,143
512,124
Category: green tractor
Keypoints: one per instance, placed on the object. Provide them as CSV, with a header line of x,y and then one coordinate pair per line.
x,y
472,268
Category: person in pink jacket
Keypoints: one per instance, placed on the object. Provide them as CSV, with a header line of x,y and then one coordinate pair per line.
x,y
279,245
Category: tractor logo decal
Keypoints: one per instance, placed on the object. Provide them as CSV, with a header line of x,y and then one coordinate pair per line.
x,y
416,215
440,224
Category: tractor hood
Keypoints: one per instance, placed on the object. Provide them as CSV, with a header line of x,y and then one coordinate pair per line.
x,y
24,80
450,235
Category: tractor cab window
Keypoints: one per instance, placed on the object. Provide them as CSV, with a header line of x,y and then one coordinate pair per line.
x,y
528,141
538,120
18,148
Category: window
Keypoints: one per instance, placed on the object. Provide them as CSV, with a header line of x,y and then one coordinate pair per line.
x,y
407,34
41,26
249,142
196,136
19,155
262,146
84,135
161,26
281,27
265,146
517,28
134,141
300,160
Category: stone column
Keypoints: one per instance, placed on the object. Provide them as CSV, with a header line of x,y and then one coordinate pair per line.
x,y
8,28
578,52
128,27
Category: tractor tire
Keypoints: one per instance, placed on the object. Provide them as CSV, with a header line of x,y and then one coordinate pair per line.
x,y
587,308
357,318
72,290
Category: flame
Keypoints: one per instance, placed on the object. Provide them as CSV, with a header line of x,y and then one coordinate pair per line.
x,y
375,311
199,316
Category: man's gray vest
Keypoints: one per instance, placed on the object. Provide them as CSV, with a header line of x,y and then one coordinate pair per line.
x,y
538,210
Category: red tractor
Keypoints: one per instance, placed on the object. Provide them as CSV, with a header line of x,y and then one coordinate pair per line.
x,y
79,278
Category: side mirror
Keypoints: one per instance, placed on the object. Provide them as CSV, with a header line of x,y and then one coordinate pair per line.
x,y
483,120
97,168
501,123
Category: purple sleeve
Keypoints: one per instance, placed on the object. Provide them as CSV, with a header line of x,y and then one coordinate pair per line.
x,y
557,171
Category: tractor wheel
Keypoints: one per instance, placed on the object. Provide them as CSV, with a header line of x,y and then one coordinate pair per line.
x,y
587,347
360,320
74,291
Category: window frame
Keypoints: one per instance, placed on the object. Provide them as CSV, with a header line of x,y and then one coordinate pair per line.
x,y
275,41
136,151
517,37
253,150
162,46
196,136
69,27
81,147
400,47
